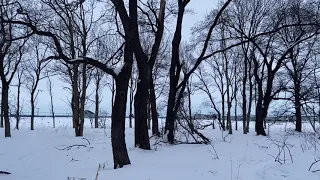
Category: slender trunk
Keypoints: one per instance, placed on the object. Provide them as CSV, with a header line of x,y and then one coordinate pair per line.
x,y
131,103
223,111
170,118
51,101
250,105
140,108
1,115
154,113
5,108
244,96
244,105
73,108
82,99
18,106
32,110
236,114
175,68
318,105
96,114
113,90
75,99
229,117
298,118
297,107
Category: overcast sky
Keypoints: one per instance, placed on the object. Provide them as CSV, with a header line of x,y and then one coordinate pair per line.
x,y
61,96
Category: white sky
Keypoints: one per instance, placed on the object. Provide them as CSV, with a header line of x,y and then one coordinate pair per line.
x,y
200,8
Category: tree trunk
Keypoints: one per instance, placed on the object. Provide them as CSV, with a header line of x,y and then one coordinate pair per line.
x,y
120,154
175,68
32,111
140,108
113,93
75,99
229,117
244,106
297,107
223,111
244,96
260,118
18,106
250,105
119,149
236,114
131,103
96,114
5,107
154,113
1,115
170,115
51,101
82,99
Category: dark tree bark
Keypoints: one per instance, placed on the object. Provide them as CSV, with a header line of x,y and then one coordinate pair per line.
x,y
50,86
131,102
5,106
75,99
244,96
32,111
97,102
82,100
120,154
152,60
141,113
20,73
1,116
154,113
251,85
175,69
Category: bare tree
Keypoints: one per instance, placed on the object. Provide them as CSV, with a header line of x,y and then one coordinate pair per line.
x,y
204,85
177,89
20,73
12,46
120,154
50,86
133,85
98,76
300,67
266,52
34,73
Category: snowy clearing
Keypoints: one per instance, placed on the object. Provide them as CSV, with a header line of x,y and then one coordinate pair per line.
x,y
46,153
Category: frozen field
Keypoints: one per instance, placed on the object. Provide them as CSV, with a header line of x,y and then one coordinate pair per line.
x,y
42,155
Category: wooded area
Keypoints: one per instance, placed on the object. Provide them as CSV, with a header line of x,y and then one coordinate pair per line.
x,y
244,55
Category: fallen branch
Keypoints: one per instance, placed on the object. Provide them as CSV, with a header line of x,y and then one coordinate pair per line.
x,y
214,152
86,140
315,162
74,160
4,172
70,147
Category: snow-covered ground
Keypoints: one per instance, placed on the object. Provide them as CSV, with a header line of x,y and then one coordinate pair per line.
x,y
39,155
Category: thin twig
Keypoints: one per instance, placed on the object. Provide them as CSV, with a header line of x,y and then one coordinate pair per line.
x,y
70,147
315,162
86,140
